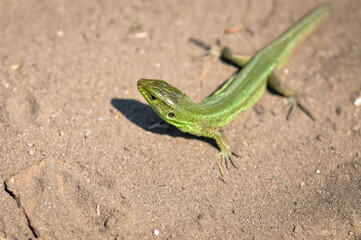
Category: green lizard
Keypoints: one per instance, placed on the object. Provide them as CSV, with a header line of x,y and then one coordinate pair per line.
x,y
239,93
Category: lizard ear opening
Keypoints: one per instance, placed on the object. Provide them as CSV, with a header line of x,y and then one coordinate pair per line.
x,y
170,115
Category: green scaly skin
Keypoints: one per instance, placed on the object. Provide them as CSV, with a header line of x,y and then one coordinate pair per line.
x,y
238,94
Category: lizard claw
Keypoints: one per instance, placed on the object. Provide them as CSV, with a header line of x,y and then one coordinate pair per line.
x,y
225,150
210,50
295,101
225,158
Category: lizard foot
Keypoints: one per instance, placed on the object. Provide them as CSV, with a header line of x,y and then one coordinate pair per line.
x,y
213,51
226,156
226,151
295,101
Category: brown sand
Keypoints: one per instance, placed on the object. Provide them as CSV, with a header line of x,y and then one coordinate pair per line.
x,y
78,161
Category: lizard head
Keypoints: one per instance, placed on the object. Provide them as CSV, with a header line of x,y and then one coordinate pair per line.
x,y
165,100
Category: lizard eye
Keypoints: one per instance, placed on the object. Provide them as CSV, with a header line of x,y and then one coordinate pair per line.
x,y
152,97
170,115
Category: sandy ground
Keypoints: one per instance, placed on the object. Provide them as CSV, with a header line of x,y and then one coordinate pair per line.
x,y
77,157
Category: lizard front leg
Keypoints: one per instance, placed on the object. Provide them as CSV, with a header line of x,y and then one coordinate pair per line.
x,y
226,151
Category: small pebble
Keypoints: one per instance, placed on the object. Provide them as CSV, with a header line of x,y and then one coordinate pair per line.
x,y
338,111
356,127
141,35
297,229
15,66
233,30
98,210
87,133
156,232
354,48
60,33
357,102
31,152
318,171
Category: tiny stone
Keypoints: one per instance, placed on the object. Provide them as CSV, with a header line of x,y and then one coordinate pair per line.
x,y
357,102
60,33
156,232
98,210
356,127
141,35
31,152
318,171
338,110
302,184
15,67
354,48
319,137
87,133
297,229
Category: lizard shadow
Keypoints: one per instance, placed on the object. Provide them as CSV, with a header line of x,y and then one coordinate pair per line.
x,y
144,116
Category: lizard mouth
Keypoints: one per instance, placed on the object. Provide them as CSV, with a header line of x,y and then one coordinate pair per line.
x,y
151,97
163,98
145,93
